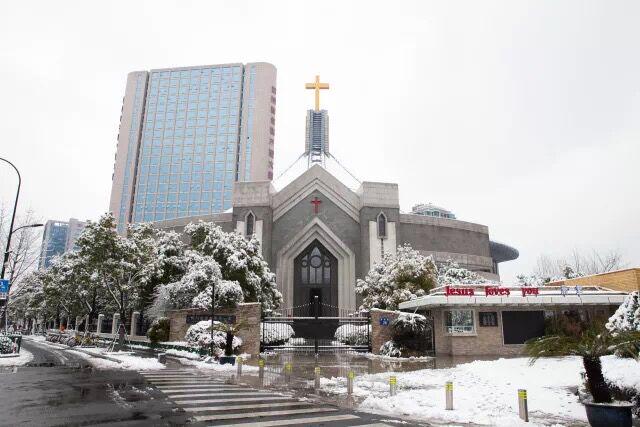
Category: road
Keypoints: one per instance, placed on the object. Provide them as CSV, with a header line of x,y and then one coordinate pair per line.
x,y
60,388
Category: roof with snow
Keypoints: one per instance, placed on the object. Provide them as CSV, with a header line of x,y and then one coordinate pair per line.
x,y
491,295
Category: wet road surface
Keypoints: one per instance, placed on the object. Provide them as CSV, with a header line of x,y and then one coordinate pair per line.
x,y
60,388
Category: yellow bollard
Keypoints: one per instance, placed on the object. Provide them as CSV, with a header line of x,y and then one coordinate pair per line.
x,y
350,376
261,371
523,407
239,361
287,371
393,384
448,387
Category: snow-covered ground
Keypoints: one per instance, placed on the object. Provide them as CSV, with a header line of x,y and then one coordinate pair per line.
x,y
485,392
128,361
24,357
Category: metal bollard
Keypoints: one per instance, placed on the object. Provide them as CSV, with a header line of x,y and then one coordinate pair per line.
x,y
523,407
448,387
261,371
239,361
317,380
287,371
393,385
350,376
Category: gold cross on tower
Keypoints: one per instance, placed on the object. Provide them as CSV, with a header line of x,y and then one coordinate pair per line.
x,y
317,86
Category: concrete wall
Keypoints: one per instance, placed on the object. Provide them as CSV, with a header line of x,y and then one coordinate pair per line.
x,y
247,313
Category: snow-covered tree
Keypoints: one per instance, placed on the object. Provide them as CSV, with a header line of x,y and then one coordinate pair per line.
x,y
627,316
239,260
527,281
450,273
401,277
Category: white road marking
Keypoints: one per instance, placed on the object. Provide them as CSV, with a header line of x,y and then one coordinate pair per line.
x,y
235,399
251,406
294,421
262,414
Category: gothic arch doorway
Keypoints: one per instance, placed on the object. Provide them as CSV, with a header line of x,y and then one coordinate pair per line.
x,y
316,275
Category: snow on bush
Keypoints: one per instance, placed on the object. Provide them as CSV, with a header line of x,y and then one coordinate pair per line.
x,y
627,316
353,334
403,276
240,259
391,349
410,324
228,295
275,333
450,273
6,345
199,336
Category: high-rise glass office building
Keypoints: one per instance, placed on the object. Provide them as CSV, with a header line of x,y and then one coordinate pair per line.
x,y
187,134
59,237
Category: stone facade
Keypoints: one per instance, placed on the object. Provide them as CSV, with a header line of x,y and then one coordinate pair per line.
x,y
381,333
247,314
345,223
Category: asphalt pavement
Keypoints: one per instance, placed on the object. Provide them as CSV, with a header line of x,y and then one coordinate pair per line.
x,y
60,388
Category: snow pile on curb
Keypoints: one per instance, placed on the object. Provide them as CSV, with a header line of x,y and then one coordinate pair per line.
x,y
24,357
622,373
127,361
485,392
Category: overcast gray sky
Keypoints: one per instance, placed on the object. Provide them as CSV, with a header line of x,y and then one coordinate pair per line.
x,y
524,116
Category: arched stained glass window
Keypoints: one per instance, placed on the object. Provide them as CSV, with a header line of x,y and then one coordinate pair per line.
x,y
250,224
382,226
315,267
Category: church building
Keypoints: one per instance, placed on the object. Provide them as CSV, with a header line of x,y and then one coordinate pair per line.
x,y
319,234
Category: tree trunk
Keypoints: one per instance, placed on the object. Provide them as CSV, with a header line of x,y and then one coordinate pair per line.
x,y
228,348
595,380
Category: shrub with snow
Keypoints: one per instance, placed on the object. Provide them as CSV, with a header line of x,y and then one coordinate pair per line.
x,y
159,330
6,345
199,336
409,330
403,276
275,333
391,349
353,334
450,273
627,316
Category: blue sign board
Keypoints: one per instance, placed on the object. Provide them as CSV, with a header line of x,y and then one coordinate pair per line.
x,y
4,288
384,321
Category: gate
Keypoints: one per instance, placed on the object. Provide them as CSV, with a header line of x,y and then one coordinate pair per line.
x,y
316,328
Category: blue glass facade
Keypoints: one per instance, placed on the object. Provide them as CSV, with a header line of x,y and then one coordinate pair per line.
x,y
54,242
189,148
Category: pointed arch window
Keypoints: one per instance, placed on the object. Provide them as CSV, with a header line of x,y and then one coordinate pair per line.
x,y
382,226
250,222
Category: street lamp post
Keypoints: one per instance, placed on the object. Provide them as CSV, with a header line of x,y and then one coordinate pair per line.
x,y
5,258
6,309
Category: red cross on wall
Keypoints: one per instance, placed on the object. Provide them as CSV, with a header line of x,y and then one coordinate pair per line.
x,y
316,204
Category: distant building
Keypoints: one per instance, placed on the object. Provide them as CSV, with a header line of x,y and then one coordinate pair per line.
x,y
427,209
59,237
187,135
626,280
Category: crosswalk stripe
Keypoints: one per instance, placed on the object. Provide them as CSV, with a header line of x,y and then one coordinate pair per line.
x,y
203,387
205,392
215,398
198,393
294,421
262,414
253,405
235,399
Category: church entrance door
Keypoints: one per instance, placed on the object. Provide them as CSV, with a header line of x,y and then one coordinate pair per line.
x,y
315,323
316,275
